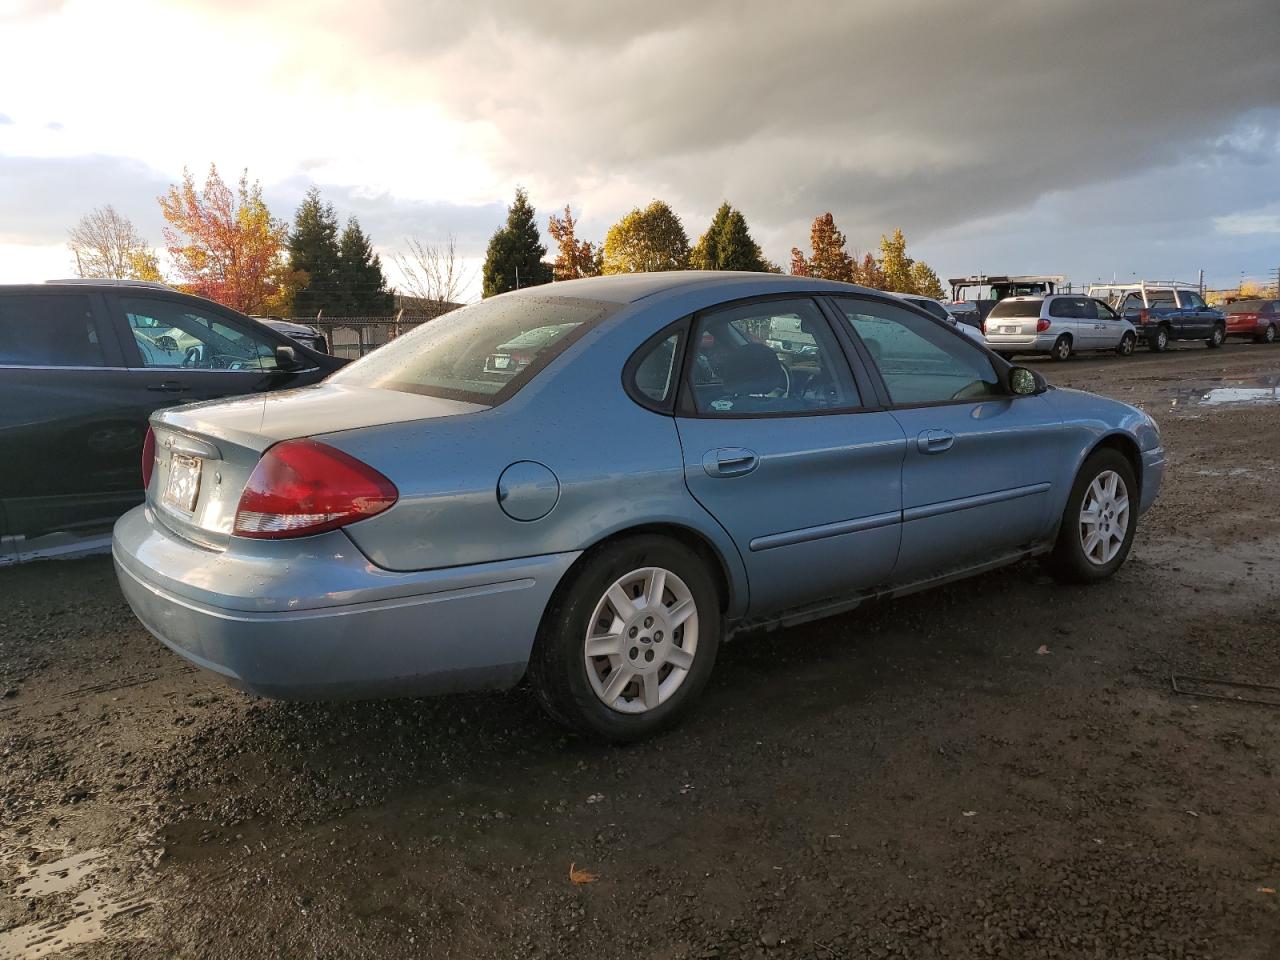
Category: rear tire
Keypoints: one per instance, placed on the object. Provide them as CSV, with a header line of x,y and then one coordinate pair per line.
x,y
1217,338
1126,345
1061,348
1159,341
607,658
1099,521
1268,335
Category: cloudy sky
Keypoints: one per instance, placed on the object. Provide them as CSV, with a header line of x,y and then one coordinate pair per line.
x,y
1086,137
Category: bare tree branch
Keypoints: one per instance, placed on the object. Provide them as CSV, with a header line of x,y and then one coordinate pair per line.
x,y
105,244
432,271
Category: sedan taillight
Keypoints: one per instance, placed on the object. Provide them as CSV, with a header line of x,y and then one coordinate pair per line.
x,y
301,487
148,457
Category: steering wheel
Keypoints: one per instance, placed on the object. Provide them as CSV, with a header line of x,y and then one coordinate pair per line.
x,y
193,357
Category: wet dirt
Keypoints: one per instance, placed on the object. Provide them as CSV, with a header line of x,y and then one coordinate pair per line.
x,y
1000,767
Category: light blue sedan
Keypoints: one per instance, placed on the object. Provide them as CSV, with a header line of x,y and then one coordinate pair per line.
x,y
594,483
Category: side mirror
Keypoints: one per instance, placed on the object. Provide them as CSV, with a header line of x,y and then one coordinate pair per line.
x,y
1025,383
287,358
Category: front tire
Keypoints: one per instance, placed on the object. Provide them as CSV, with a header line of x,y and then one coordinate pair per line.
x,y
1061,348
1099,521
1126,345
628,643
1217,338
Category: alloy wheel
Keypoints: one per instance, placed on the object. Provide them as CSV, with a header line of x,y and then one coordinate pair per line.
x,y
641,640
1104,517
1269,335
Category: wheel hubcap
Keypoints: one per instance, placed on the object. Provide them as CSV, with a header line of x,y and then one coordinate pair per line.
x,y
1104,517
642,639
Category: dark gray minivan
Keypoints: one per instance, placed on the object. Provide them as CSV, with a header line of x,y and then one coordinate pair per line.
x,y
82,366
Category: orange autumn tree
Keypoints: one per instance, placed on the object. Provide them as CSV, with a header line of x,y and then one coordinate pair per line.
x,y
226,246
830,260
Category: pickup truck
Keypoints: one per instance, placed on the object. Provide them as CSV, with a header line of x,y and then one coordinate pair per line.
x,y
1164,311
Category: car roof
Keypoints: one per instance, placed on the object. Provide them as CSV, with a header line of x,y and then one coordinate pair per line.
x,y
632,287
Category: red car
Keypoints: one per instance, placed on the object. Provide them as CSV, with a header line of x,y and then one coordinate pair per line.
x,y
1257,319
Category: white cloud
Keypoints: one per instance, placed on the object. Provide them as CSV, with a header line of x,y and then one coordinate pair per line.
x,y
1247,224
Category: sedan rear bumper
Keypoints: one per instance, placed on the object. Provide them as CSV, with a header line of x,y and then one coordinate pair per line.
x,y
1022,343
354,630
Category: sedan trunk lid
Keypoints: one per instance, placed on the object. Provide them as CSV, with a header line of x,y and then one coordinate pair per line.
x,y
205,452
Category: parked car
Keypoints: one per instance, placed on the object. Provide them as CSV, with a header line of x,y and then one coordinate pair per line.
x,y
1259,320
302,333
82,367
936,308
1058,325
655,479
1165,311
981,291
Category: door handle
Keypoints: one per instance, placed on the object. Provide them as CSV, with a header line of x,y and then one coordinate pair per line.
x,y
935,441
730,462
169,386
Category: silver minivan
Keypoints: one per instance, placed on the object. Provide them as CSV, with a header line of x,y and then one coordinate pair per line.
x,y
1059,324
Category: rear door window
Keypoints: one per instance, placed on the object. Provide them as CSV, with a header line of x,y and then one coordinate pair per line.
x,y
49,330
1017,308
769,357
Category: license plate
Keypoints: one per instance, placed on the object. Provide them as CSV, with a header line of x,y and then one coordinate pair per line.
x,y
1009,329
184,482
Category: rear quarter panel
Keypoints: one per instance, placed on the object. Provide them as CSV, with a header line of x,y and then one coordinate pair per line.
x,y
618,466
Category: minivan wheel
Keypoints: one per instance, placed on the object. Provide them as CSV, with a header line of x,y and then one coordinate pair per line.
x,y
1159,341
628,643
1099,522
1217,338
1061,348
1126,345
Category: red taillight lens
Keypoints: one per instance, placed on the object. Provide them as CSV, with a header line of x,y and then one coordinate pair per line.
x,y
1143,316
1042,325
148,457
301,487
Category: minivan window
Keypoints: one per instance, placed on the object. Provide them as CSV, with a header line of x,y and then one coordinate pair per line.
x,y
1016,308
48,330
483,353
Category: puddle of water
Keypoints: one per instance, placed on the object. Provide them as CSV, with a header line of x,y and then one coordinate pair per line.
x,y
92,915
1225,391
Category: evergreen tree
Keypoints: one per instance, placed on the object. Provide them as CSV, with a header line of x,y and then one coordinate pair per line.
x,y
727,245
364,288
514,257
313,250
645,241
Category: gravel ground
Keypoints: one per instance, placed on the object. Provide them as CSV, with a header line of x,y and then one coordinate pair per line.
x,y
997,768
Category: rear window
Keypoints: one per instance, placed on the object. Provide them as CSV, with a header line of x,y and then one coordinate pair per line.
x,y
1016,308
48,330
483,353
1247,306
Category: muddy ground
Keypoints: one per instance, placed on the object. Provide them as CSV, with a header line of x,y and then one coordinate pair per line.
x,y
998,768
